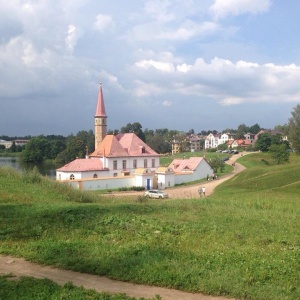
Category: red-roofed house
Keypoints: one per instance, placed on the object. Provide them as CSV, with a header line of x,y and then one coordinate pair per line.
x,y
190,169
239,143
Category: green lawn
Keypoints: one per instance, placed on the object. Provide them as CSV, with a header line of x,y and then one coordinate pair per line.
x,y
241,242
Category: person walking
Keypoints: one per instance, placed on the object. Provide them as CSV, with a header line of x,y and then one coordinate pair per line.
x,y
200,191
203,190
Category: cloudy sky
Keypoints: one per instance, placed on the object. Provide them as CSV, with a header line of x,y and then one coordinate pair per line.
x,y
209,64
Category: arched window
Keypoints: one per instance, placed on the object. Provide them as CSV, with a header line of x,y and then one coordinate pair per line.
x,y
95,176
72,177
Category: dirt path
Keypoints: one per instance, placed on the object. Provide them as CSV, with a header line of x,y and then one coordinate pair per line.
x,y
19,267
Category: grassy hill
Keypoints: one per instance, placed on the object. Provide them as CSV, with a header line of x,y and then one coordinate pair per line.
x,y
241,242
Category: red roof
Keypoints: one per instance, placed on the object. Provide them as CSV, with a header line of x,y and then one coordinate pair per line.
x,y
100,110
134,145
122,145
241,143
110,147
179,165
82,165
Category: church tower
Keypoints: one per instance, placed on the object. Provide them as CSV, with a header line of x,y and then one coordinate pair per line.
x,y
100,119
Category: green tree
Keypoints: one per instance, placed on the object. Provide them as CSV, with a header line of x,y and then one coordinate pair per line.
x,y
254,129
242,129
13,147
36,150
263,142
276,139
282,128
217,163
279,153
294,129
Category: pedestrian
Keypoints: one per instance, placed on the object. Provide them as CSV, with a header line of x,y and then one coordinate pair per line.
x,y
200,191
207,177
203,190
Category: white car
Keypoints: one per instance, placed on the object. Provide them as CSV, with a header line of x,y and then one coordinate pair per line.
x,y
156,194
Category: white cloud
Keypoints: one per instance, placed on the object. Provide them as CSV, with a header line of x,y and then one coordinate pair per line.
x,y
183,68
143,89
104,22
71,38
224,8
167,103
188,30
159,10
222,80
161,66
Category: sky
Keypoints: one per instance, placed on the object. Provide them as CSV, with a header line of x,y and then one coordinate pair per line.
x,y
181,65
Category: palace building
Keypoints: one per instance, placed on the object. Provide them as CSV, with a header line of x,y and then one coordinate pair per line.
x,y
124,160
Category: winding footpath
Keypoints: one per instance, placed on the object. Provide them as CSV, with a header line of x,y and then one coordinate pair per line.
x,y
19,267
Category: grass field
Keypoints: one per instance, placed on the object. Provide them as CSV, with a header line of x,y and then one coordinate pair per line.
x,y
241,242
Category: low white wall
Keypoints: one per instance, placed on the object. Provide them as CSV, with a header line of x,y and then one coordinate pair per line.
x,y
103,183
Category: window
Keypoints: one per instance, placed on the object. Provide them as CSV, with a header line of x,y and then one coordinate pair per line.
x,y
72,177
134,163
145,163
95,176
153,162
115,165
124,164
115,174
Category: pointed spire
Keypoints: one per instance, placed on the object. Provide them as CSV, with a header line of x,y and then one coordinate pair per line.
x,y
100,111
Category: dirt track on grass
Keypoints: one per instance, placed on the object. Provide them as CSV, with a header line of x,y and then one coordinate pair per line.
x,y
19,267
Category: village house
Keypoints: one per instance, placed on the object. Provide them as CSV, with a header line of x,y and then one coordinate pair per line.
x,y
214,140
8,144
239,144
125,160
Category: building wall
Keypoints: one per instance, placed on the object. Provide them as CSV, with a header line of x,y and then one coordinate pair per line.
x,y
165,180
80,175
109,163
103,183
211,141
201,172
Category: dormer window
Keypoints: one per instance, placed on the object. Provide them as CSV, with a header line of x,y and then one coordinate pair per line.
x,y
142,149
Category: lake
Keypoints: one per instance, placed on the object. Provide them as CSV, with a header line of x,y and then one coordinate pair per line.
x,y
45,168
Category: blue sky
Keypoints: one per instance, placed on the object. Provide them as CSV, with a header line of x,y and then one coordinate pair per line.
x,y
210,64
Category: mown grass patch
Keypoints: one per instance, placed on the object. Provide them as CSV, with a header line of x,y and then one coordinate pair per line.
x,y
241,242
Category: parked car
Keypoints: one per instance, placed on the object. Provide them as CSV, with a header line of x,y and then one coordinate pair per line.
x,y
156,194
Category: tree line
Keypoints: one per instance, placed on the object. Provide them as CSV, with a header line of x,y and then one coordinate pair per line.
x,y
65,149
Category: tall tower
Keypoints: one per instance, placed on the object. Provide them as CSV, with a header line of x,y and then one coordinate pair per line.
x,y
100,119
